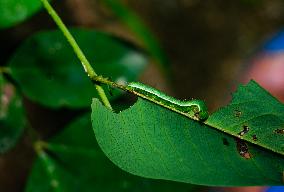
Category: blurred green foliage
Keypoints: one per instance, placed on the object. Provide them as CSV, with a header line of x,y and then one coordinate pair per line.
x,y
56,77
13,12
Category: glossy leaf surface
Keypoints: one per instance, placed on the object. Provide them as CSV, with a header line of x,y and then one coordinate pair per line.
x,y
154,142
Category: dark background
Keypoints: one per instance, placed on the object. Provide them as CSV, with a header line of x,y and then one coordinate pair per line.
x,y
209,44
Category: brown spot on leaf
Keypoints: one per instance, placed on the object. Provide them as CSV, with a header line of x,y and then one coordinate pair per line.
x,y
254,137
244,131
242,149
279,131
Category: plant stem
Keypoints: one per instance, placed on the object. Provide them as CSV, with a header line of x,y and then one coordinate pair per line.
x,y
87,66
39,146
4,69
32,133
62,148
49,165
100,79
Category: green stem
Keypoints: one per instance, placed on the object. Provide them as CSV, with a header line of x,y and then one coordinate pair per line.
x,y
87,66
100,79
106,81
49,165
61,148
4,69
39,146
32,133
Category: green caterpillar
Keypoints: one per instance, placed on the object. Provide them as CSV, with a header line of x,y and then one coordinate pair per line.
x,y
195,109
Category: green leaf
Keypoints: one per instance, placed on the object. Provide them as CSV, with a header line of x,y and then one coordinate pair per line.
x,y
74,162
12,117
135,24
49,73
15,11
154,142
254,115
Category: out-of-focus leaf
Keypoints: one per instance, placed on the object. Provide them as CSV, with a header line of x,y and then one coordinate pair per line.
x,y
48,71
135,24
74,162
12,117
154,142
15,11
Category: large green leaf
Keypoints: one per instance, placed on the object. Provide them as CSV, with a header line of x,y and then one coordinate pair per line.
x,y
153,142
128,17
254,115
15,11
74,162
48,71
12,117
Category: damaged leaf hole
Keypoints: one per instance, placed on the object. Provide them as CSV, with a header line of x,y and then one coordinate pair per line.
x,y
244,131
279,131
254,137
242,149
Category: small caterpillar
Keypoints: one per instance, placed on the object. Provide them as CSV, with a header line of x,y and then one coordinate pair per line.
x,y
195,109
